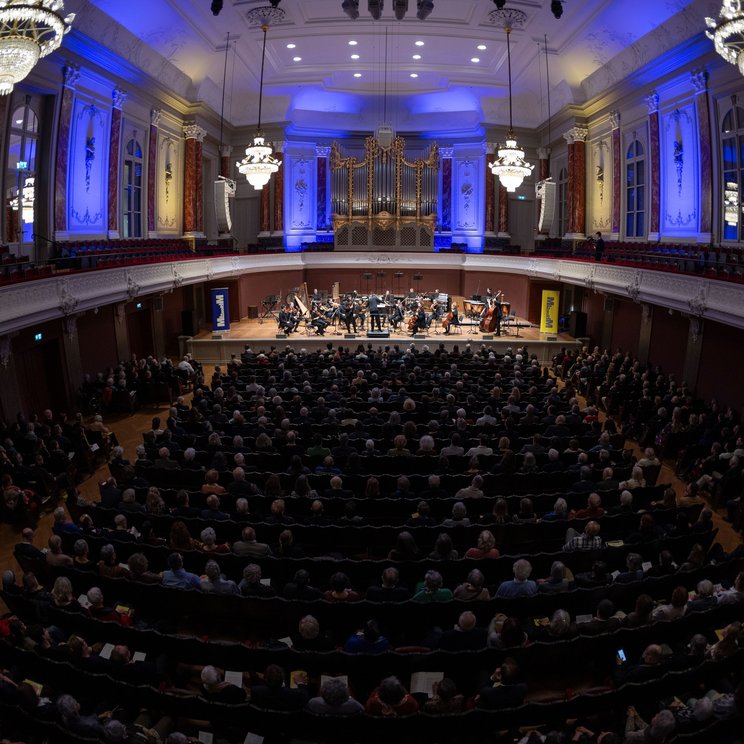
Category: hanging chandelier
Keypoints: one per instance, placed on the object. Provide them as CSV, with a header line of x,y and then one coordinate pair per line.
x,y
259,163
29,30
728,35
510,165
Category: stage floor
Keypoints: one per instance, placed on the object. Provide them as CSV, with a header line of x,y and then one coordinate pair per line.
x,y
261,336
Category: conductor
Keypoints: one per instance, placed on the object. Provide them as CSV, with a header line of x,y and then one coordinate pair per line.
x,y
374,312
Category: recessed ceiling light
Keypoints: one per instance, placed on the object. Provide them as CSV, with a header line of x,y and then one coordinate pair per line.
x,y
414,74
357,74
297,59
352,43
482,47
355,56
416,56
475,59
419,43
291,46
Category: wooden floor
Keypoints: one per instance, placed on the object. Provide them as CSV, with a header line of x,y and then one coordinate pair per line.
x,y
129,428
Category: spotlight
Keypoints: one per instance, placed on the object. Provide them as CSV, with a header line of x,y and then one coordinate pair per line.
x,y
351,8
400,8
216,7
375,8
556,8
499,3
424,9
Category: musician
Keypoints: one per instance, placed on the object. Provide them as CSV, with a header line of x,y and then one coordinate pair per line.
x,y
420,321
498,311
315,296
286,320
318,322
398,314
452,319
348,316
359,312
374,312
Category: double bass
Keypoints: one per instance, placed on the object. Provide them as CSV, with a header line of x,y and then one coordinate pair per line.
x,y
492,316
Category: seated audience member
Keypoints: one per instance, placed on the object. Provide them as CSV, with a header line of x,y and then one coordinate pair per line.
x,y
506,632
589,540
209,542
211,484
695,560
598,576
650,666
389,590
593,509
248,546
485,547
526,514
139,570
474,588
33,590
164,461
505,690
422,517
735,593
61,526
26,548
179,538
213,510
443,550
431,589
459,516
299,587
341,590
560,627
465,636
109,565
636,480
634,569
55,557
215,582
251,584
286,547
369,640
405,548
334,700
445,699
473,491
176,576
129,502
641,614
309,637
391,700
215,689
676,608
62,595
100,611
80,558
559,513
637,731
182,509
520,585
604,620
705,599
665,567
71,719
728,645
556,582
274,694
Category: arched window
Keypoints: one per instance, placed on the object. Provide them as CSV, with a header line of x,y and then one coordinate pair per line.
x,y
20,181
635,191
562,201
132,222
732,160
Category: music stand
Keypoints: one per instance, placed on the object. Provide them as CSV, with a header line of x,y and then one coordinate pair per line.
x,y
515,323
417,278
366,276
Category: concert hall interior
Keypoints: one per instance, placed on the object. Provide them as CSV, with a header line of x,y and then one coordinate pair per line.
x,y
485,255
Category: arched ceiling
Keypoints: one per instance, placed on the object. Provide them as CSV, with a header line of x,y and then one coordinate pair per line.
x,y
610,39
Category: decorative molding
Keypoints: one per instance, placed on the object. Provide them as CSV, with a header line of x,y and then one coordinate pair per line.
x,y
225,151
615,119
543,153
177,278
699,80
322,151
446,152
6,349
71,74
699,303
118,98
576,134
121,312
132,287
70,324
634,288
67,301
194,131
155,116
696,329
652,102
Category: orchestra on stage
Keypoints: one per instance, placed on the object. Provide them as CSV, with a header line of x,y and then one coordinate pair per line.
x,y
413,313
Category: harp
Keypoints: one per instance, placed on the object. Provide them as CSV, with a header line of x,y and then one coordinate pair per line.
x,y
301,300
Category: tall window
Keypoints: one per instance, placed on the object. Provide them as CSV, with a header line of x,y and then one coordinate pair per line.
x,y
562,201
635,191
20,199
132,222
732,159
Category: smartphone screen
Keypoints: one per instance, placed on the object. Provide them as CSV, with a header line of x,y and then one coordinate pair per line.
x,y
621,655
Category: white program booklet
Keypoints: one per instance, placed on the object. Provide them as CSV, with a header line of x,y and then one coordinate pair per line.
x,y
422,682
206,737
253,739
265,582
139,656
106,651
234,678
583,618
286,641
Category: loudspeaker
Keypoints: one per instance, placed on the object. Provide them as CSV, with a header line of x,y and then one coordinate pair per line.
x,y
349,335
189,326
577,323
281,335
378,334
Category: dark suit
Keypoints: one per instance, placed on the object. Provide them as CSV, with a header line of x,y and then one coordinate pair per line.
x,y
374,313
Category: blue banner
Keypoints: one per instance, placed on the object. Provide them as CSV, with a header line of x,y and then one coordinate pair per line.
x,y
220,310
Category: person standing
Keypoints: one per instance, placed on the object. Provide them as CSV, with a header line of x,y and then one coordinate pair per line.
x,y
599,246
374,312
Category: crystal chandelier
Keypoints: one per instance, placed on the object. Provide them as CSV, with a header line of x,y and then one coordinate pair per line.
x,y
728,35
29,30
510,165
259,162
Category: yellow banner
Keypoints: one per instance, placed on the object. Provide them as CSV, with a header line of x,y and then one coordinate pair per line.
x,y
549,312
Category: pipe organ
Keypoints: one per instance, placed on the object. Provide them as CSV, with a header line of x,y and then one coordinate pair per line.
x,y
384,201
